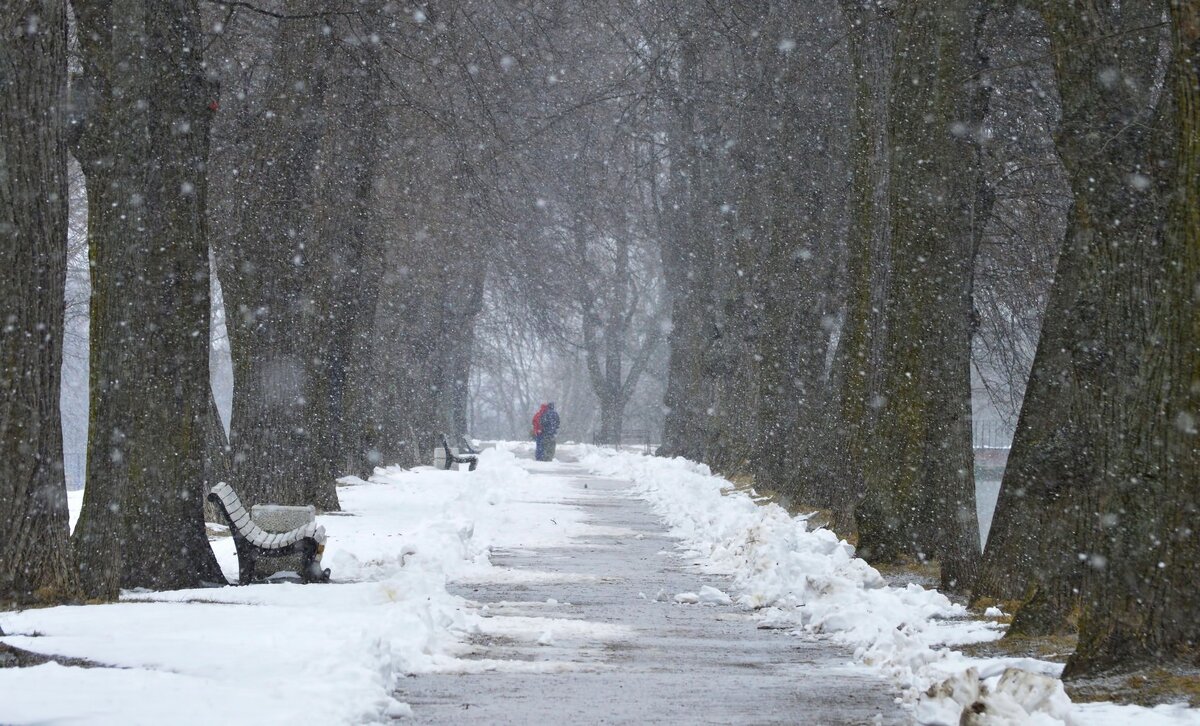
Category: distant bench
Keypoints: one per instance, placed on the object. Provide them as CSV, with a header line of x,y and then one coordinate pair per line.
x,y
252,541
453,456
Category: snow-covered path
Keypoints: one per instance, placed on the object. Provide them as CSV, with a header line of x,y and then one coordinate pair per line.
x,y
619,589
662,661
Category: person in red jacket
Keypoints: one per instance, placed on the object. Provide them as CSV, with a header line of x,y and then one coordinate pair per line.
x,y
537,432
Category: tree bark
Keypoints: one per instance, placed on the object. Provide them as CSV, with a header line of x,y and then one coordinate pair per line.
x,y
1140,607
799,147
920,488
145,105
35,561
855,381
1084,415
688,256
347,267
269,271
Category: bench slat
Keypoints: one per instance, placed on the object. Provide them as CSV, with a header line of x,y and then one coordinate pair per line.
x,y
255,534
240,520
228,497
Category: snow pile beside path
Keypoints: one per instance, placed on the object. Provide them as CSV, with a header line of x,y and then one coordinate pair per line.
x,y
808,578
309,653
448,521
801,577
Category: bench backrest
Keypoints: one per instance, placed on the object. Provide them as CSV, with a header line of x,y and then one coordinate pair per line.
x,y
451,451
241,521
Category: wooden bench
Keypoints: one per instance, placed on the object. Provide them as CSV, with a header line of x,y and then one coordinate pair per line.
x,y
252,541
454,457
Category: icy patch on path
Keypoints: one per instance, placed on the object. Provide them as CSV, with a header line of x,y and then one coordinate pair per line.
x,y
808,579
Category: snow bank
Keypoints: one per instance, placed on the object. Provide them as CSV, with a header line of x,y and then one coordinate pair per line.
x,y
312,653
810,580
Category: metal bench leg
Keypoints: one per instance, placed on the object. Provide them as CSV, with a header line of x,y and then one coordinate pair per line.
x,y
310,571
245,555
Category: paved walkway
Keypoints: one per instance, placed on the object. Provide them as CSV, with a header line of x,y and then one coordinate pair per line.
x,y
681,664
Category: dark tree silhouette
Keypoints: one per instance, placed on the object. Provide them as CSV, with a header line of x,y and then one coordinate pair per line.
x,y
34,552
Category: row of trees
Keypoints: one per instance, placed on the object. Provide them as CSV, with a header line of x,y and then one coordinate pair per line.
x,y
834,361
816,217
823,333
332,165
853,207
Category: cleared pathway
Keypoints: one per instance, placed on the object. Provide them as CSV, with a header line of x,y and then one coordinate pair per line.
x,y
682,664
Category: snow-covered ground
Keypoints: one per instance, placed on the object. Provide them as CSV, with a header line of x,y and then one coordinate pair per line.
x,y
313,653
810,580
335,654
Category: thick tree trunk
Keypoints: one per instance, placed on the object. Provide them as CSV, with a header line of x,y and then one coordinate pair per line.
x,y
608,384
35,558
1082,422
1140,607
347,271
712,268
266,262
857,359
920,488
612,415
688,254
797,276
798,149
731,363
422,341
110,169
144,146
462,301
409,331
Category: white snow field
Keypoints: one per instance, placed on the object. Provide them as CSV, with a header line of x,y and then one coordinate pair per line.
x,y
411,543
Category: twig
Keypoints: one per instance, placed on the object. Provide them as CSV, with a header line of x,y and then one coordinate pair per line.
x,y
281,16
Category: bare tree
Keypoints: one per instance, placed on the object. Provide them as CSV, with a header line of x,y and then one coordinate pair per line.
x,y
920,491
1079,397
145,105
1104,459
268,139
35,558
